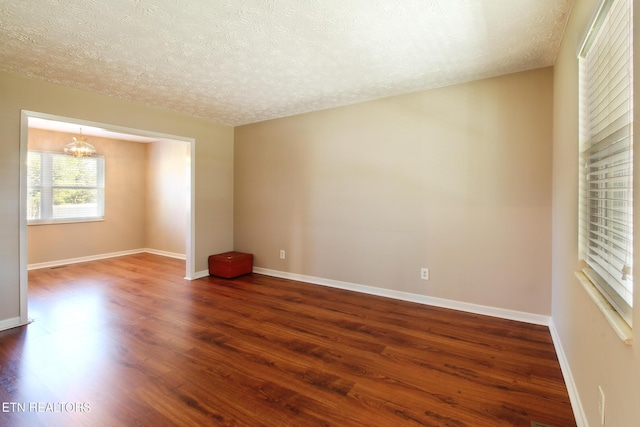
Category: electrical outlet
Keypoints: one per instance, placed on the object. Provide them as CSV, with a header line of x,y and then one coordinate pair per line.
x,y
601,404
424,273
282,254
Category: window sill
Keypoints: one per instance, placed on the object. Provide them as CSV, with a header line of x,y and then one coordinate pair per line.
x,y
65,221
615,320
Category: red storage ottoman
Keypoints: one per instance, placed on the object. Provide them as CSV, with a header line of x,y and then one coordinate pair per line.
x,y
230,264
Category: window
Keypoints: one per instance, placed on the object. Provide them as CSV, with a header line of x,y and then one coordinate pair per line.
x,y
606,154
62,188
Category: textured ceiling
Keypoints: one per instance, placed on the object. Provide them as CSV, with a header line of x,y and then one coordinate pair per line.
x,y
243,61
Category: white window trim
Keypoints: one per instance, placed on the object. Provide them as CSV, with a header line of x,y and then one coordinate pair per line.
x,y
45,195
613,316
614,319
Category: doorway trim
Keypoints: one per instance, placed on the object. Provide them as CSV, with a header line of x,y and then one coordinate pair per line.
x,y
190,273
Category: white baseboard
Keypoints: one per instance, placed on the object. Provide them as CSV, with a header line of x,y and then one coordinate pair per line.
x,y
165,253
13,322
519,316
60,262
199,275
572,389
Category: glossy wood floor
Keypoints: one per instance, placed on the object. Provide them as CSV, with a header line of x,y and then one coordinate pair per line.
x,y
128,342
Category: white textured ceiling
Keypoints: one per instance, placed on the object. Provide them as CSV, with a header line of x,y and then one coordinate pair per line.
x,y
243,61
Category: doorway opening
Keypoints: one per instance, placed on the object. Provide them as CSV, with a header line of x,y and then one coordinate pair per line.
x,y
31,119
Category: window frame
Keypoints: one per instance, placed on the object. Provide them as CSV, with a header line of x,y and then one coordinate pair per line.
x,y
612,290
47,189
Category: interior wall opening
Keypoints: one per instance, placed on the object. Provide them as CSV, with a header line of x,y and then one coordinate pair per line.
x,y
168,196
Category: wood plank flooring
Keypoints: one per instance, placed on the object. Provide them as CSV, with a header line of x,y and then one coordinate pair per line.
x,y
128,342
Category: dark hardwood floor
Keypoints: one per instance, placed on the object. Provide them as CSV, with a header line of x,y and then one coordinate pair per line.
x,y
128,342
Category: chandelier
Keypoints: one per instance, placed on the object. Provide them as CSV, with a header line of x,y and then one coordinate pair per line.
x,y
79,147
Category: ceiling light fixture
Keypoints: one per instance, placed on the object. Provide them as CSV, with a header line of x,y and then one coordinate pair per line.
x,y
79,147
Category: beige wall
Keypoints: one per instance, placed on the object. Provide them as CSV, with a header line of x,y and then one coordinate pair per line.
x,y
167,187
213,165
455,179
123,227
596,356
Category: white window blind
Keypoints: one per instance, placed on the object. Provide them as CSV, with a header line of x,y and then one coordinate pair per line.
x,y
606,154
62,188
